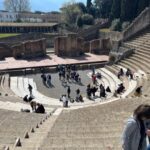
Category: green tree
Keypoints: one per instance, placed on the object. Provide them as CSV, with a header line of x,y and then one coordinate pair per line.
x,y
128,10
142,4
70,13
116,9
116,25
82,7
104,7
87,19
79,21
89,4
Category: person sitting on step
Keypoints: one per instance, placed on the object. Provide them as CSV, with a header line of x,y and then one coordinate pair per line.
x,y
40,108
33,106
138,91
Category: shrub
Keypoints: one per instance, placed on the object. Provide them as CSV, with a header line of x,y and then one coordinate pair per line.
x,y
87,19
125,25
116,25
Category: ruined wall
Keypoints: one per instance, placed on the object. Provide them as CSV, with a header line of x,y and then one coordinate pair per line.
x,y
18,39
100,46
28,49
4,52
60,45
93,31
69,45
140,23
86,46
113,35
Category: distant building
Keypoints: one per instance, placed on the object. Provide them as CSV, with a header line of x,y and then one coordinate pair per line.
x,y
30,17
8,16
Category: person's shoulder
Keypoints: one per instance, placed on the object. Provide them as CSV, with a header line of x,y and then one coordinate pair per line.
x,y
132,120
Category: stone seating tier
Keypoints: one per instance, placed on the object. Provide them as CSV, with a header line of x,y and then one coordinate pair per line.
x,y
15,124
91,127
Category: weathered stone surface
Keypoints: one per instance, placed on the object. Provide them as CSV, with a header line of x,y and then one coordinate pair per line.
x,y
141,22
72,45
69,45
28,49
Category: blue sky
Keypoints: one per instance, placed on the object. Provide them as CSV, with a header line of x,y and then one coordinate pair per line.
x,y
46,5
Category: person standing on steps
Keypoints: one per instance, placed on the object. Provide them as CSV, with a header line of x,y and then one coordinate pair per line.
x,y
30,89
68,91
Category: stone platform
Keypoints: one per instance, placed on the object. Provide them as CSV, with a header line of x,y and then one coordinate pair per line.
x,y
50,61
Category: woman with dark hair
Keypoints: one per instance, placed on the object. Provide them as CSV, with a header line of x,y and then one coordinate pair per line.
x,y
134,134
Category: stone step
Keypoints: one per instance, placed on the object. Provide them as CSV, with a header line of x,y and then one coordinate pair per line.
x,y
112,82
142,65
129,65
14,86
142,54
35,140
140,60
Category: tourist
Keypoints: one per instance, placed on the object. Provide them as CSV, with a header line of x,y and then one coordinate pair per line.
x,y
65,101
40,108
98,75
76,77
138,91
68,91
81,98
60,74
43,76
108,89
134,134
67,77
128,72
88,91
48,80
102,91
93,90
33,105
25,98
120,88
131,75
30,89
94,79
120,73
77,95
93,70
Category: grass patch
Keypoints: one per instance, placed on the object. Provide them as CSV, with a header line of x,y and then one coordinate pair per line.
x,y
5,35
105,30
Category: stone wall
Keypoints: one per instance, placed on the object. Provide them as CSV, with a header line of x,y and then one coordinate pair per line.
x,y
93,31
18,39
69,45
140,23
86,47
100,46
28,49
113,35
5,52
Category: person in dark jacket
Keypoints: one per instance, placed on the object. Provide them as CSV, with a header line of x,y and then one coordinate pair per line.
x,y
40,108
138,91
68,91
